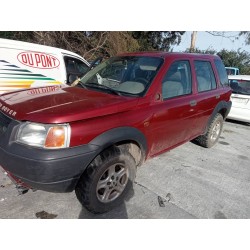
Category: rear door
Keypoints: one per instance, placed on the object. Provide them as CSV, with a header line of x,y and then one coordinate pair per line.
x,y
207,93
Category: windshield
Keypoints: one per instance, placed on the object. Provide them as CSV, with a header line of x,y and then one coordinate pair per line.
x,y
240,86
128,75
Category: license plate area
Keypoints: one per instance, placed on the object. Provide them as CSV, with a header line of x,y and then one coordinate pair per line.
x,y
240,100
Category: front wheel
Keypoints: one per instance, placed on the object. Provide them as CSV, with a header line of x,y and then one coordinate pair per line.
x,y
213,133
106,181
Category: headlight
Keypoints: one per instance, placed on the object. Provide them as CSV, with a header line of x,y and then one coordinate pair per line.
x,y
44,135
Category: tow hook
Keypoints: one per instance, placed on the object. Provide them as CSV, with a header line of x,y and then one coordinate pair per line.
x,y
21,189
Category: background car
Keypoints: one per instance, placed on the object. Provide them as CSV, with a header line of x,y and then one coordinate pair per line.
x,y
240,97
28,65
232,70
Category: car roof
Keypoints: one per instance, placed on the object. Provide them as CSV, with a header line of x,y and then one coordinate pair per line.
x,y
239,77
163,54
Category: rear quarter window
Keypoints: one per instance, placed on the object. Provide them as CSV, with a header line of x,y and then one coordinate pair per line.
x,y
221,72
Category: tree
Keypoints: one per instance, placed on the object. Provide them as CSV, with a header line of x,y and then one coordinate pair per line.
x,y
247,35
207,51
92,44
224,34
89,44
25,36
157,40
193,39
239,59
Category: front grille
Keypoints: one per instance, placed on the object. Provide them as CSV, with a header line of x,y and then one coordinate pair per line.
x,y
4,123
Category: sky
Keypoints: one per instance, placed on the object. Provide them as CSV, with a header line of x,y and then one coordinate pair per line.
x,y
205,40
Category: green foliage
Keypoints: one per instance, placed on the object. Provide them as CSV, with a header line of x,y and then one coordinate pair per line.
x,y
207,51
157,40
239,59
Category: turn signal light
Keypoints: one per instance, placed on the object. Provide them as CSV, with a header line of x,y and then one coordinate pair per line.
x,y
55,137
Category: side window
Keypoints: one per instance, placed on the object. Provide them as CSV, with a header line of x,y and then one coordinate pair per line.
x,y
204,76
75,68
221,71
177,80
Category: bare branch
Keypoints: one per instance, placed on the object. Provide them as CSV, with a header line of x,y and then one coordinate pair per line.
x,y
222,34
99,45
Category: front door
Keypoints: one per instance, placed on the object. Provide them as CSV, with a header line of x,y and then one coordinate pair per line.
x,y
173,119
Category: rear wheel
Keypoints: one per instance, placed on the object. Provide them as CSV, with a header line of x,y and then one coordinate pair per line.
x,y
106,181
213,133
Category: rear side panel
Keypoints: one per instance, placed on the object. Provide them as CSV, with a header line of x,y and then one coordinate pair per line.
x,y
240,108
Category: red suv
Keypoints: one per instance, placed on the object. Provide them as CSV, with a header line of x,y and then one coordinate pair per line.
x,y
91,138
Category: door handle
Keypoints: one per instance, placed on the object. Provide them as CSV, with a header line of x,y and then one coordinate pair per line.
x,y
217,97
193,103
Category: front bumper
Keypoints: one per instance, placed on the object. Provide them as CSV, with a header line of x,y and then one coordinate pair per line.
x,y
43,169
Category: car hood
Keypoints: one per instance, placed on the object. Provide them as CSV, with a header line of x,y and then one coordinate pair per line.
x,y
57,104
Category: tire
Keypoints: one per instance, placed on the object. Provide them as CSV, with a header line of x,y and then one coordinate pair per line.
x,y
106,181
213,133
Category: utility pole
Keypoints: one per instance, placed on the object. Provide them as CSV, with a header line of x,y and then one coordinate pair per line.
x,y
193,39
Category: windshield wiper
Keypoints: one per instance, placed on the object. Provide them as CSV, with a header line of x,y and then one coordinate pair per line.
x,y
83,84
99,86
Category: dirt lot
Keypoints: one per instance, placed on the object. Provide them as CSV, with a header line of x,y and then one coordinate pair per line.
x,y
187,182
